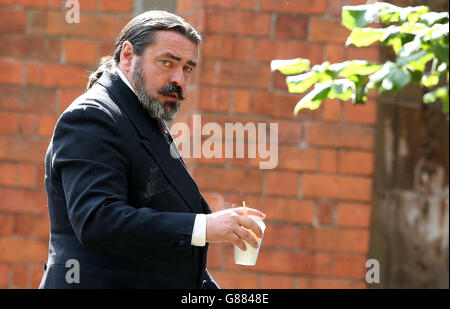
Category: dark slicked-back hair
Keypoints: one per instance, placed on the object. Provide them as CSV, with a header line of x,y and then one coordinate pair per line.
x,y
141,32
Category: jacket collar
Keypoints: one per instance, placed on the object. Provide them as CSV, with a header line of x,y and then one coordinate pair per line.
x,y
153,140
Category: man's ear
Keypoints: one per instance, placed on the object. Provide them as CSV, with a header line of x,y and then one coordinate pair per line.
x,y
126,57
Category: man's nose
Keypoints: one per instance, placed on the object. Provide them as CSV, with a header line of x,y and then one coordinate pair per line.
x,y
178,78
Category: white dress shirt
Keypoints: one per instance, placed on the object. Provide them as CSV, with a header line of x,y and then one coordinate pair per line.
x,y
199,231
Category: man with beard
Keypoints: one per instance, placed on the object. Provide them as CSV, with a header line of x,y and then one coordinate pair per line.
x,y
124,212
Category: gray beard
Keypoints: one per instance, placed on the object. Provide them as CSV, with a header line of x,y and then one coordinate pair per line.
x,y
160,111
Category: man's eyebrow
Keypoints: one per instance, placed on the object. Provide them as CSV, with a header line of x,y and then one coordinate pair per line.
x,y
171,56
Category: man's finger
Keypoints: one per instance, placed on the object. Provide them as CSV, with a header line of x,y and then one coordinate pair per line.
x,y
250,211
249,223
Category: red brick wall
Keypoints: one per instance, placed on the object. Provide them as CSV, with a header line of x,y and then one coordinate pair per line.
x,y
317,200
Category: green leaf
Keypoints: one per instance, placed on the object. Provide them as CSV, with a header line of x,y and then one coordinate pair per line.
x,y
396,79
376,78
439,93
412,58
359,67
432,18
359,16
430,80
288,67
301,83
364,37
314,98
341,89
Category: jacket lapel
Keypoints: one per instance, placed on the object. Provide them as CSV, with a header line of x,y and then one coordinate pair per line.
x,y
153,140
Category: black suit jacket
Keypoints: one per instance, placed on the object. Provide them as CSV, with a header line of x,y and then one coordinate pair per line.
x,y
119,203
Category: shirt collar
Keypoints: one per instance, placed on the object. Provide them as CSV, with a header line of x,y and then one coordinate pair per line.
x,y
124,79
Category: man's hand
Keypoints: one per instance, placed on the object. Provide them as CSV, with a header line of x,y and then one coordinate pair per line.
x,y
230,225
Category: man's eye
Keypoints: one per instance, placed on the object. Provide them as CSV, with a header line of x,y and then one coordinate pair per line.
x,y
165,62
188,69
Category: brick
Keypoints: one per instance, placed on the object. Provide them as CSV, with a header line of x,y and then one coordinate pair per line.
x,y
336,187
237,180
56,75
276,282
67,97
215,256
325,212
14,69
299,211
353,215
358,113
244,23
280,236
244,49
331,110
36,276
20,276
117,5
27,150
337,240
29,124
34,73
282,183
271,206
293,158
8,174
19,201
185,5
21,98
12,20
26,175
291,27
328,31
81,51
334,135
4,275
313,283
218,46
349,266
235,280
249,75
304,7
22,250
289,132
214,99
292,262
89,5
328,161
9,123
221,4
279,105
47,124
335,7
24,225
90,26
268,50
241,101
6,225
54,4
370,53
355,162
279,81
41,227
30,47
335,53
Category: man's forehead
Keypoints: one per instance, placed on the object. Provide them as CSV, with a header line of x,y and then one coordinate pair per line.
x,y
173,43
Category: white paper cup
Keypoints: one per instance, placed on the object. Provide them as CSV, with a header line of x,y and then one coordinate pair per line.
x,y
249,256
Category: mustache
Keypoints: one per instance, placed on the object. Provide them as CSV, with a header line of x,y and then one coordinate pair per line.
x,y
173,88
